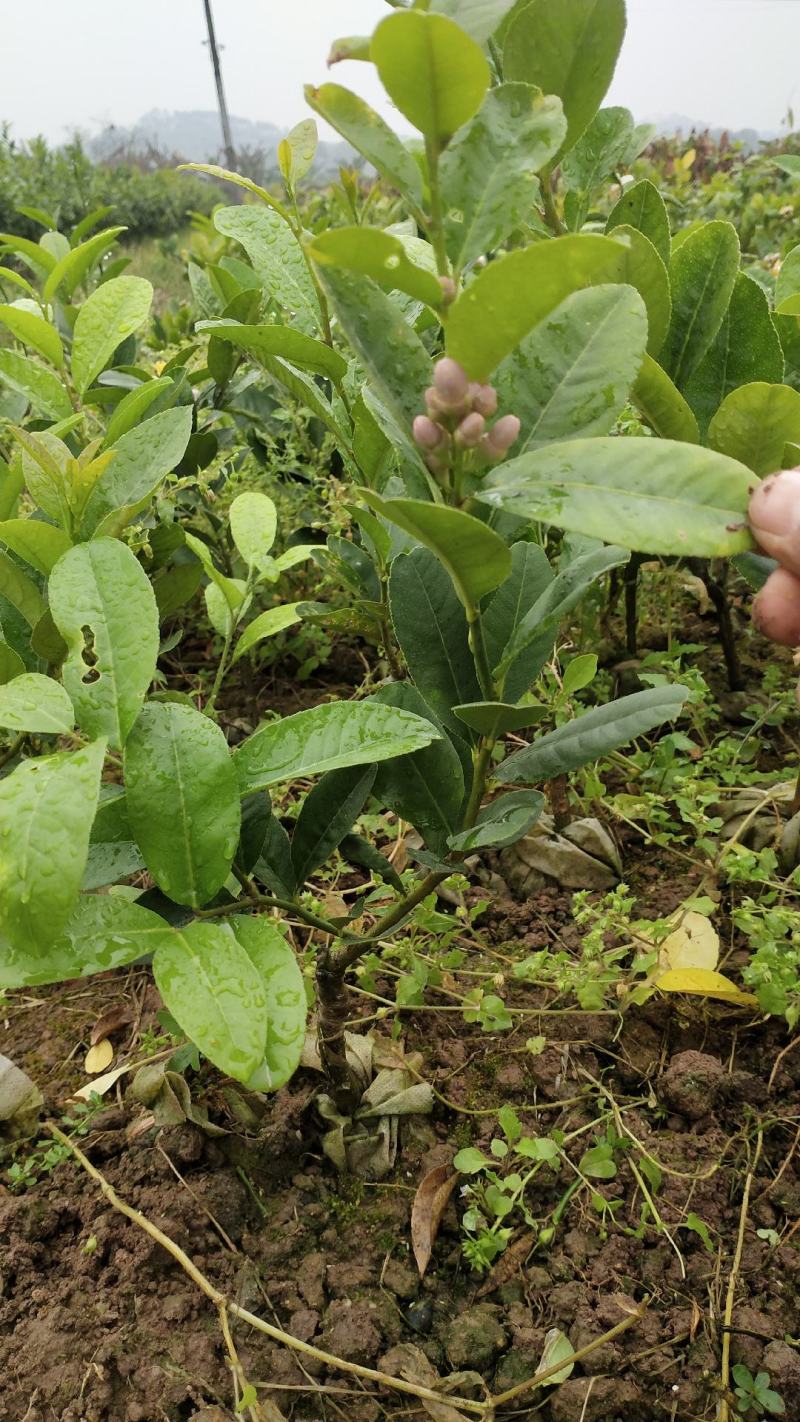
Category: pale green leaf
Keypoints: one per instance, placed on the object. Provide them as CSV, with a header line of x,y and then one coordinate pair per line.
x,y
46,810
287,1004
434,73
37,704
653,496
43,390
294,346
370,135
38,543
277,259
34,331
103,931
326,737
474,555
183,800
254,523
216,993
379,255
267,624
113,312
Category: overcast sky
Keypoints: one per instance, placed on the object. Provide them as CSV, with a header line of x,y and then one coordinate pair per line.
x,y
83,63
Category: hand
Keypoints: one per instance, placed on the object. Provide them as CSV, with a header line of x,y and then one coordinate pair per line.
x,y
774,515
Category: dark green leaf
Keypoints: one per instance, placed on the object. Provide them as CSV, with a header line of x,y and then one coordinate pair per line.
x,y
329,812
642,206
502,822
594,734
431,628
747,348
702,274
475,557
426,788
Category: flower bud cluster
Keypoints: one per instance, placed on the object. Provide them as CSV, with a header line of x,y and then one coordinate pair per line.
x,y
456,419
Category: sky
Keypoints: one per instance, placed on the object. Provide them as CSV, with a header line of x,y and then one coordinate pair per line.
x,y
85,63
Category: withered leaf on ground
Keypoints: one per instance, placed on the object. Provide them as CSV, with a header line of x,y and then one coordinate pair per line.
x,y
430,1203
110,1021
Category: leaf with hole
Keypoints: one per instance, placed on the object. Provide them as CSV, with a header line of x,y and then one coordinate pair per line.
x,y
104,608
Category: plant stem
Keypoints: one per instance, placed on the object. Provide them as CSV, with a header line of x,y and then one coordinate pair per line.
x,y
222,667
551,217
477,646
730,1298
436,224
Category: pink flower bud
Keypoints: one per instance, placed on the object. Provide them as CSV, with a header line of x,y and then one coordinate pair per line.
x,y
451,383
449,290
470,430
426,434
501,436
484,398
775,517
776,609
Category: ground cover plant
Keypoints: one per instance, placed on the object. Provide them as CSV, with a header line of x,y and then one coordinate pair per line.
x,y
438,417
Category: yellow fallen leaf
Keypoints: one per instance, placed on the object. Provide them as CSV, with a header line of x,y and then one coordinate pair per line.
x,y
702,982
694,944
99,1057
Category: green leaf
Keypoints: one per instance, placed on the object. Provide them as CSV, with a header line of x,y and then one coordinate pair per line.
x,y
556,1348
42,389
480,18
555,601
653,496
502,822
11,663
645,271
699,1227
37,543
213,170
294,346
35,256
392,354
112,313
787,285
747,349
470,1160
642,207
434,73
274,864
488,173
327,737
133,407
580,673
287,1005
370,135
103,606
35,703
277,259
594,734
296,151
379,255
355,849
254,523
45,465
530,575
662,406
34,331
754,423
71,269
571,376
598,153
702,274
329,812
495,718
431,628
569,49
46,810
267,624
215,992
510,296
20,591
103,931
11,486
475,557
143,457
426,788
183,800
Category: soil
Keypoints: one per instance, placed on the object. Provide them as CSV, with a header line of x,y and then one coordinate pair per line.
x,y
99,1324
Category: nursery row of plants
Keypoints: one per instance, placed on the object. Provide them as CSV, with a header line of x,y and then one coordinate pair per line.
x,y
402,568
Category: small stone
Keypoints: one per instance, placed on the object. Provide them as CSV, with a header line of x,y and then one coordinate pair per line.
x,y
691,1084
474,1338
400,1279
516,1367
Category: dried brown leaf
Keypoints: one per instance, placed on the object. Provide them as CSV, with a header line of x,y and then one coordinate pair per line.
x,y
430,1203
508,1265
111,1021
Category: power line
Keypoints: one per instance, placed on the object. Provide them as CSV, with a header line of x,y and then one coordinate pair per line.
x,y
227,136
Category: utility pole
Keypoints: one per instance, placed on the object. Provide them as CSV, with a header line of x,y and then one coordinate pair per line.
x,y
227,138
